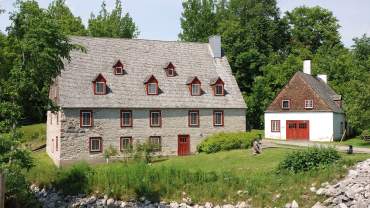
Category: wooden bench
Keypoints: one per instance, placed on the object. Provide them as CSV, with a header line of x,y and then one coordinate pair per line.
x,y
365,137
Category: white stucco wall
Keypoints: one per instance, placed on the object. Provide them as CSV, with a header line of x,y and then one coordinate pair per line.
x,y
74,140
53,130
324,126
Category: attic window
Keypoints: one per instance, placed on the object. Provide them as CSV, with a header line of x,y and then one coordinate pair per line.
x,y
308,104
118,68
151,84
285,104
194,86
218,86
170,70
100,85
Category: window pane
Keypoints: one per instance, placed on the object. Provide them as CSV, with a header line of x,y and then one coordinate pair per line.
x,y
152,88
126,118
86,121
218,118
126,143
95,144
195,89
155,118
155,141
100,87
285,103
219,89
194,118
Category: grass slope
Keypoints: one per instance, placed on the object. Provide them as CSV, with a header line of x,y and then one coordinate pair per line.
x,y
34,135
205,177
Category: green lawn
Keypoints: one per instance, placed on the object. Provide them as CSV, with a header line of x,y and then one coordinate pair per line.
x,y
34,135
356,142
206,177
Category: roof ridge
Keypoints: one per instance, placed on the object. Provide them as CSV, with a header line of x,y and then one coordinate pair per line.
x,y
139,39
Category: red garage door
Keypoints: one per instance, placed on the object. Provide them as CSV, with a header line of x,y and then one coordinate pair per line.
x,y
297,130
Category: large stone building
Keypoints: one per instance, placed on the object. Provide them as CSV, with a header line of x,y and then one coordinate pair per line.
x,y
122,91
306,109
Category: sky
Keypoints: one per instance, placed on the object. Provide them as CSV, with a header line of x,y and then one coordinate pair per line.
x,y
160,19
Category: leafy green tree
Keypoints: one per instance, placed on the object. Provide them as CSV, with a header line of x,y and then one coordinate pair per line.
x,y
313,27
39,48
198,21
112,24
70,24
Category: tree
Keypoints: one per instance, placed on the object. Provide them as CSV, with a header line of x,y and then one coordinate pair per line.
x,y
313,27
70,24
113,24
198,21
39,49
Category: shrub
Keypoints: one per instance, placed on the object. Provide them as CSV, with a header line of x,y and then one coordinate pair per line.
x,y
227,141
308,159
74,180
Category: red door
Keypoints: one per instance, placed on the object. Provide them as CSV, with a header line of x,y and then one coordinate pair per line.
x,y
184,145
297,130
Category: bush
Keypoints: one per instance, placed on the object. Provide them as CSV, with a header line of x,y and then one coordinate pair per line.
x,y
74,180
227,141
365,132
308,159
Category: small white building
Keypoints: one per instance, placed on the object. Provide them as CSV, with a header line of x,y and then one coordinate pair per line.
x,y
306,109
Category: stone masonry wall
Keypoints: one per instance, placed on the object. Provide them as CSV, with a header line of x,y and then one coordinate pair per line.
x,y
75,140
53,131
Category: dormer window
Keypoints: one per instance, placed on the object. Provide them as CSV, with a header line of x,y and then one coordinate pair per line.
x,y
100,85
285,104
118,68
170,70
151,85
308,104
194,86
218,86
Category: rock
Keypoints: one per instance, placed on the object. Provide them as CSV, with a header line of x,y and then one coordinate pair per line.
x,y
288,205
174,205
208,205
227,206
320,191
342,205
313,189
242,205
294,204
325,184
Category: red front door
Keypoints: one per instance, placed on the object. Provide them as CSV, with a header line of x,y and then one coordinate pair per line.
x,y
184,145
297,130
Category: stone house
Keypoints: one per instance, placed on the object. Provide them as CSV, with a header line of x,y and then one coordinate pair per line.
x,y
126,91
306,109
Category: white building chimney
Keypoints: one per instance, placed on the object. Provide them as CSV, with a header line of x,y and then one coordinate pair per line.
x,y
323,77
215,44
307,66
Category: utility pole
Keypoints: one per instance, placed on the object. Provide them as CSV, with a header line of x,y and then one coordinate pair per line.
x,y
2,189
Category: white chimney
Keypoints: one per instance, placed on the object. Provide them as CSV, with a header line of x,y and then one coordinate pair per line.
x,y
323,77
215,44
307,66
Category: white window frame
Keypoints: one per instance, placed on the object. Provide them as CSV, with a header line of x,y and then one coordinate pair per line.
x,y
91,144
275,125
220,114
196,115
103,88
150,87
195,86
83,118
222,91
120,68
129,139
282,104
159,118
308,104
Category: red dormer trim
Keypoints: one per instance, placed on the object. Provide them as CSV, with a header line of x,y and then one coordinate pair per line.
x,y
100,80
118,68
151,80
216,84
192,83
170,70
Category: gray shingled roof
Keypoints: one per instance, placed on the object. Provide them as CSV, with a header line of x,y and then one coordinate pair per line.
x,y
323,90
142,58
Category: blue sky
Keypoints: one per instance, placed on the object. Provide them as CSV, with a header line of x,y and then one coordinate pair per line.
x,y
160,19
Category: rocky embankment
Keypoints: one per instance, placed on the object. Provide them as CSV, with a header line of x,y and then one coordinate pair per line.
x,y
351,192
53,199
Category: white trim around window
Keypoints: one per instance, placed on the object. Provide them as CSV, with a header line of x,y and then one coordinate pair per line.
x,y
285,104
308,104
